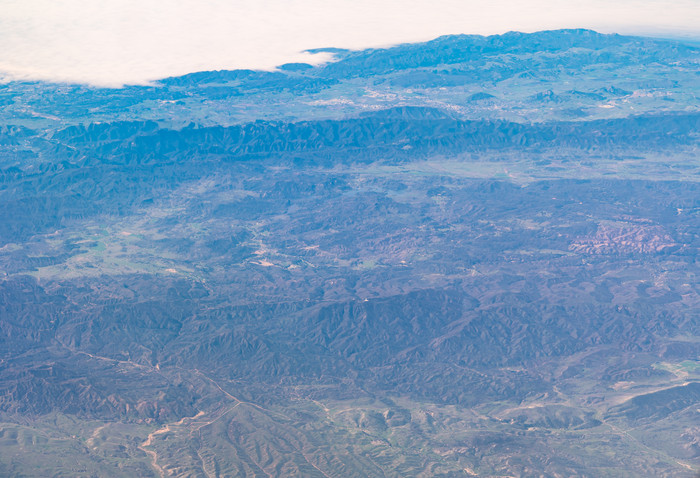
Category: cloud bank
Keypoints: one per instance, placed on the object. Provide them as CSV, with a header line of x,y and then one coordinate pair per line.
x,y
117,42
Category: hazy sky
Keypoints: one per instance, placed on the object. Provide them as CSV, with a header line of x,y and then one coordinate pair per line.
x,y
112,42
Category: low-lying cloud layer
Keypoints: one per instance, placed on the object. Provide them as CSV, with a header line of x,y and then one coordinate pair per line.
x,y
116,42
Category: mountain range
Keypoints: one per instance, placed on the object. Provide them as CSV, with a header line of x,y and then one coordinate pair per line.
x,y
475,256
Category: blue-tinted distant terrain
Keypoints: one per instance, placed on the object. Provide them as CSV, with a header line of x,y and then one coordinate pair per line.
x,y
475,256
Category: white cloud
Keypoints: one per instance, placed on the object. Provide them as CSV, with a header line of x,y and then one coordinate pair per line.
x,y
112,42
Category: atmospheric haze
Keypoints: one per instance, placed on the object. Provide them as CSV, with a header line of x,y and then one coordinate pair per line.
x,y
137,41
